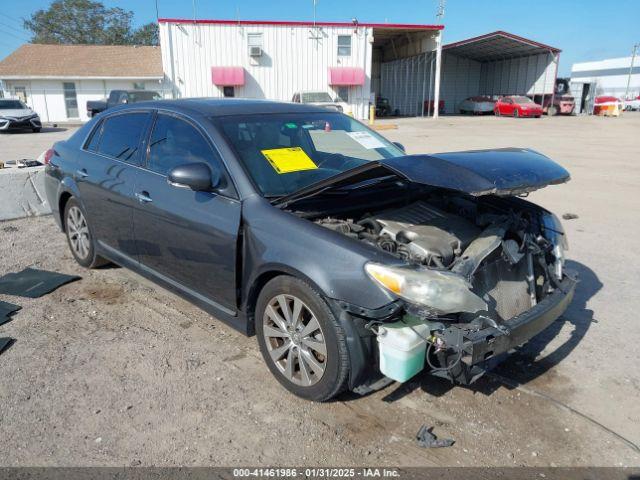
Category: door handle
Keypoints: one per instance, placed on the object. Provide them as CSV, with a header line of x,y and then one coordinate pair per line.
x,y
82,173
143,197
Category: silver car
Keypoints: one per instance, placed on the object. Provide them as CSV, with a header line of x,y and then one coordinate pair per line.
x,y
14,114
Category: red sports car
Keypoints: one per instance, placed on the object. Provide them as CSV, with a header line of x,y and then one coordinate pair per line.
x,y
517,106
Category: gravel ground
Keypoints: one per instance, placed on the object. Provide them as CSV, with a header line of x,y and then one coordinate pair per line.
x,y
113,370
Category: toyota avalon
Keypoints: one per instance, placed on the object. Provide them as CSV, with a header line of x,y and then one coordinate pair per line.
x,y
353,263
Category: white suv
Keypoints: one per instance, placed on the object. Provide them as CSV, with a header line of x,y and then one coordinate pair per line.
x,y
321,99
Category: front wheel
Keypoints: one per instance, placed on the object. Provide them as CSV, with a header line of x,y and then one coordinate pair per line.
x,y
79,237
516,113
300,339
36,130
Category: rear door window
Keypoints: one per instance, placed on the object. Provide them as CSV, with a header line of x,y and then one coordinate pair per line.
x,y
94,139
122,134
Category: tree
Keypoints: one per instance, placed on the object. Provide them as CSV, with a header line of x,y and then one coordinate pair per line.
x,y
146,35
87,22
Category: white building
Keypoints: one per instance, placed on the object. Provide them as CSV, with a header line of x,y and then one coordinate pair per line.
x,y
605,77
273,60
353,62
57,80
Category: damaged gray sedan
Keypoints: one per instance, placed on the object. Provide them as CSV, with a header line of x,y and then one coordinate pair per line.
x,y
352,262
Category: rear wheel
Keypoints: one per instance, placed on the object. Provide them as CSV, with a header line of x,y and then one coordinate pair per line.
x,y
300,339
496,112
79,236
552,111
37,130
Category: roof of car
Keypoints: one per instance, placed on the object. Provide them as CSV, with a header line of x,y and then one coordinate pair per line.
x,y
219,107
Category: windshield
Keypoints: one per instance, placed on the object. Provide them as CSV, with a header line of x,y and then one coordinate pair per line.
x,y
286,152
11,105
522,100
310,97
143,96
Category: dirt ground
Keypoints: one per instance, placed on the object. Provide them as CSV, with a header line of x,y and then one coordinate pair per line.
x,y
113,370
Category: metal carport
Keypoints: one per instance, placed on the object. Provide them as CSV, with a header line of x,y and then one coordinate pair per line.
x,y
496,64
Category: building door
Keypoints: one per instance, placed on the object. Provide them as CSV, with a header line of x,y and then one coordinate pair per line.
x,y
70,99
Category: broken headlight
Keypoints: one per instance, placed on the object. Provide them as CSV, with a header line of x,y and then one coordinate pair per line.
x,y
554,232
443,292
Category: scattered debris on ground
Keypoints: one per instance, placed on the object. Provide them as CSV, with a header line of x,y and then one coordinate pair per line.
x,y
6,310
5,343
33,283
427,439
570,216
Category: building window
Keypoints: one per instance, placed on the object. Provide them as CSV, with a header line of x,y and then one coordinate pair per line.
x,y
343,94
229,91
344,45
21,93
70,99
138,85
254,40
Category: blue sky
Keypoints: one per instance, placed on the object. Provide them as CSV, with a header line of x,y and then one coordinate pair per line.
x,y
578,27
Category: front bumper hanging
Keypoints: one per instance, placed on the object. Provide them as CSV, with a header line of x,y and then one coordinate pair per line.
x,y
481,345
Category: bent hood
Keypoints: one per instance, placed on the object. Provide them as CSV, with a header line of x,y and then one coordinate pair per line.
x,y
503,172
506,171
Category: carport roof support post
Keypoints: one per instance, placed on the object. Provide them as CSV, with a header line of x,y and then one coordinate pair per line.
x,y
436,88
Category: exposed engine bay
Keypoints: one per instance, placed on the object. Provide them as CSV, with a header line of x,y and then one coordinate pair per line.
x,y
503,248
473,270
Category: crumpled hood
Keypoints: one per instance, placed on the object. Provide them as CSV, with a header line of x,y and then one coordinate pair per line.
x,y
16,113
506,171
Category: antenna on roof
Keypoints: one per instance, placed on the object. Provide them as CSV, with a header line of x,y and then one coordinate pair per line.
x,y
315,2
314,31
441,5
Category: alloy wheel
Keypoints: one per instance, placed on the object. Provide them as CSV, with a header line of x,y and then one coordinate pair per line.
x,y
294,339
78,232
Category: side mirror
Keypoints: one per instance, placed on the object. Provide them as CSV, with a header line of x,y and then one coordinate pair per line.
x,y
400,146
196,176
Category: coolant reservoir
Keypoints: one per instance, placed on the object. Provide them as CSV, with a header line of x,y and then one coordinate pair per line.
x,y
402,349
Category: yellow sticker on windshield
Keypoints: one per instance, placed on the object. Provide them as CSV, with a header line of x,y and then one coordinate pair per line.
x,y
287,160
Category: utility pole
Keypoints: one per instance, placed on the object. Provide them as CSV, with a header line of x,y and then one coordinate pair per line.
x,y
633,58
436,83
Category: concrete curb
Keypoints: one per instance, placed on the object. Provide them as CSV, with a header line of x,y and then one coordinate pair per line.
x,y
22,193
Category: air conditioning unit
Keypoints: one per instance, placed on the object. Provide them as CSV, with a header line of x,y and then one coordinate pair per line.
x,y
255,51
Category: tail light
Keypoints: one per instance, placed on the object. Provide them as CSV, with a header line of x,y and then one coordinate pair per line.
x,y
47,155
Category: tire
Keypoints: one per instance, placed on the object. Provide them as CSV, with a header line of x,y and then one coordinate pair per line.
x,y
516,113
79,237
316,373
552,111
37,130
496,112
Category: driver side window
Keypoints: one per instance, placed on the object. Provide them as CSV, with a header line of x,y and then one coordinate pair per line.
x,y
175,142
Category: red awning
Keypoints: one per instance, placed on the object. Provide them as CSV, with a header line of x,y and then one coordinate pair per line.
x,y
227,76
346,76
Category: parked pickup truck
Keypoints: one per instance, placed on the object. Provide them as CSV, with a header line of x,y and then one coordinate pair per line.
x,y
118,97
